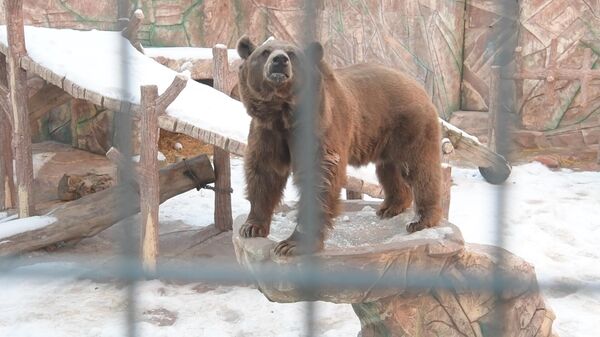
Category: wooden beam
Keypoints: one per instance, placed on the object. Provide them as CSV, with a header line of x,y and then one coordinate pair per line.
x,y
94,213
8,193
171,93
17,82
221,158
149,188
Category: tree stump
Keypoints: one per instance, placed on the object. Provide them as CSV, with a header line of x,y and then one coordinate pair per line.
x,y
429,283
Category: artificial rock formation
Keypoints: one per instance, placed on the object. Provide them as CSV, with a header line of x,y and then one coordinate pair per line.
x,y
429,283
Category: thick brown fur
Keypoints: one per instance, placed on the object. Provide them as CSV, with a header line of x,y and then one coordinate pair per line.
x,y
366,114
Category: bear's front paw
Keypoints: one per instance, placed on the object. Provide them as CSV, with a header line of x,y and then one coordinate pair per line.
x,y
293,247
386,212
417,226
249,230
286,247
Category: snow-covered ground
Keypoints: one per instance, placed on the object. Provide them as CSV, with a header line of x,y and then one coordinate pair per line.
x,y
552,221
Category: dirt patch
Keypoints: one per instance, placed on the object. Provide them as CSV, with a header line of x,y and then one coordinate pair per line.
x,y
190,147
582,160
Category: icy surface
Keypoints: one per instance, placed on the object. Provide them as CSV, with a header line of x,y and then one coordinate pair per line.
x,y
360,229
552,220
106,63
13,227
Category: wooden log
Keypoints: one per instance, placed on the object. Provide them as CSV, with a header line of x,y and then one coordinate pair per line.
x,y
17,82
75,186
149,189
132,29
171,93
223,213
469,148
94,213
7,184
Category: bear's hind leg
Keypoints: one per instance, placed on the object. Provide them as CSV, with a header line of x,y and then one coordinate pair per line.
x,y
425,180
398,195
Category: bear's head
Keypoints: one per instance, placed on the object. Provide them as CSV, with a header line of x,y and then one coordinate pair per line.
x,y
275,70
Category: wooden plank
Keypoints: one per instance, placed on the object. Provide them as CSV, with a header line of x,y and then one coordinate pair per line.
x,y
17,80
221,159
149,183
94,97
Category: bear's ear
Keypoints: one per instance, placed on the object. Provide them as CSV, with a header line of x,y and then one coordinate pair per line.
x,y
314,51
245,47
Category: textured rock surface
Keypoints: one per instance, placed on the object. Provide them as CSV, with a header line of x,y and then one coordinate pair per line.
x,y
422,37
572,22
425,284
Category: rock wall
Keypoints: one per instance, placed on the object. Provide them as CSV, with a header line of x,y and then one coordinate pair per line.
x,y
576,26
446,45
422,37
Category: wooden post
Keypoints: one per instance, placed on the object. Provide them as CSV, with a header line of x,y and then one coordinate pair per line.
x,y
221,160
152,105
149,188
78,107
352,195
7,184
132,29
494,106
17,82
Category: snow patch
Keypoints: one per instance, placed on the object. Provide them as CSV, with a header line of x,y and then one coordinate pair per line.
x,y
106,63
14,227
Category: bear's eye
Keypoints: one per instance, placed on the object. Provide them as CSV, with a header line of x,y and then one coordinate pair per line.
x,y
291,54
266,52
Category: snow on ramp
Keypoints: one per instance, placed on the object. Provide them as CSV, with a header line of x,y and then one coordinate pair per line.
x,y
106,63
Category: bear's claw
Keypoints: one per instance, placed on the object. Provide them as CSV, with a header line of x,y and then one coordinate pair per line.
x,y
417,226
286,248
386,212
249,230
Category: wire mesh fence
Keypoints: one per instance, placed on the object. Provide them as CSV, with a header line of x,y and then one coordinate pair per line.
x,y
310,279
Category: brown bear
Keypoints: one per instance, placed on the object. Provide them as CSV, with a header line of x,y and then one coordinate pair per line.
x,y
365,113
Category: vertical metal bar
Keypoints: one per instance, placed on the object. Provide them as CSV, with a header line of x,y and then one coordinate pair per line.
x,y
306,146
123,138
506,26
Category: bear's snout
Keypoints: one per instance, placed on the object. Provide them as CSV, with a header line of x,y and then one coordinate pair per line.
x,y
278,68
